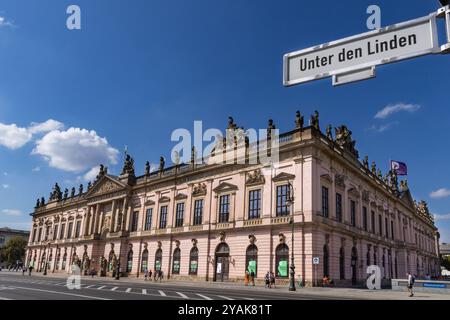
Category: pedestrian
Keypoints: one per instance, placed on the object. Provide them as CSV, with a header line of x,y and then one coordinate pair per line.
x,y
246,278
145,274
267,280
155,275
272,279
23,270
411,280
30,268
252,277
150,274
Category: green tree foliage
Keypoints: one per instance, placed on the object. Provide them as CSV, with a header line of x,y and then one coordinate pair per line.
x,y
445,262
13,250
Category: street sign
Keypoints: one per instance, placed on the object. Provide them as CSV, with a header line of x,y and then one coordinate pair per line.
x,y
354,58
316,260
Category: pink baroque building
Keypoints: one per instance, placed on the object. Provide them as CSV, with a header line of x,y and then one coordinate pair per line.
x,y
214,222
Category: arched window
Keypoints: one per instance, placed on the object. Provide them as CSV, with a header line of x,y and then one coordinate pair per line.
x,y
58,255
176,261
63,267
129,261
144,260
326,267
342,264
353,263
368,257
383,263
193,261
375,262
396,270
251,258
158,259
282,261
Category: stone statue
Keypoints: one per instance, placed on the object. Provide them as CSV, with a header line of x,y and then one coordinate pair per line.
x,y
231,124
386,179
56,194
80,189
161,164
66,193
315,120
38,203
270,127
89,185
394,180
366,162
329,134
193,155
72,192
345,141
42,202
374,168
299,120
176,158
128,165
101,172
379,174
147,168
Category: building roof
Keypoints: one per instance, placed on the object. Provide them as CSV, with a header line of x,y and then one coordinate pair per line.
x,y
9,230
444,248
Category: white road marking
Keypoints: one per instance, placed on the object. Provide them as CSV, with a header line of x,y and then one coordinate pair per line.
x,y
204,297
3,298
162,293
226,298
248,299
182,295
144,291
100,288
114,289
92,285
60,292
128,290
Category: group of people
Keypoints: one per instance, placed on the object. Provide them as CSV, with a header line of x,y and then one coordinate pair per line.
x,y
249,278
157,275
269,280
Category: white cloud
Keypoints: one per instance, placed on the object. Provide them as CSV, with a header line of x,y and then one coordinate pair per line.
x,y
75,149
5,23
438,217
382,127
36,169
12,212
440,193
91,174
5,186
394,108
13,137
46,126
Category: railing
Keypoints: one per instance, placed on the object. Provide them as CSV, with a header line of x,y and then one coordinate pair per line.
x,y
161,231
252,222
278,220
223,225
196,228
177,229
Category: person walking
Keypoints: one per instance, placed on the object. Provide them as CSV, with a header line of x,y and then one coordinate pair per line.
x,y
272,279
145,274
410,284
150,274
246,278
252,278
30,268
267,280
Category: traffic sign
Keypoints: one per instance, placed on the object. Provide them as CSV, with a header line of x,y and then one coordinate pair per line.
x,y
316,260
354,58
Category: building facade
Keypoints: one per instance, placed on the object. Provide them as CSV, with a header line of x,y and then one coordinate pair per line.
x,y
7,233
214,222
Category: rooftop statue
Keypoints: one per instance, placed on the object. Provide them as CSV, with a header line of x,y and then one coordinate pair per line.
x,y
366,162
80,189
128,165
56,194
38,203
374,167
299,120
161,163
270,127
193,155
315,120
147,168
329,134
66,193
231,124
345,141
379,174
72,192
42,202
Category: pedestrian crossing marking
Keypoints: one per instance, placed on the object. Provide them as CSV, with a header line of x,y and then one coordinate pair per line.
x,y
114,289
204,297
162,293
101,287
144,291
182,295
90,286
128,290
226,298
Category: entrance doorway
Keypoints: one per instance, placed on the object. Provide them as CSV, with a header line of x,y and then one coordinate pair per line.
x,y
222,265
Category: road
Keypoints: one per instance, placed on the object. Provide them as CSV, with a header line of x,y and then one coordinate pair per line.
x,y
15,286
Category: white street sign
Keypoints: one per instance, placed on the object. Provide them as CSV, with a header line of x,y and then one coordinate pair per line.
x,y
354,58
316,260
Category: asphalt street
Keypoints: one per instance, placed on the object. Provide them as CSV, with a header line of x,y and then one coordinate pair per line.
x,y
16,286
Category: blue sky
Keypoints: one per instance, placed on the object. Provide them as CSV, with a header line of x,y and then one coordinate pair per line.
x,y
139,69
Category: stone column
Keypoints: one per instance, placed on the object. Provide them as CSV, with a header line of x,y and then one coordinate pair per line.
x,y
112,227
100,218
86,221
124,213
95,224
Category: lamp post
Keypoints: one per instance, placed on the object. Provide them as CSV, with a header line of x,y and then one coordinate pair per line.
x,y
46,260
290,203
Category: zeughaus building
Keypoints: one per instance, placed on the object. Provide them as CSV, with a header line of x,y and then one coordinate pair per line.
x,y
214,222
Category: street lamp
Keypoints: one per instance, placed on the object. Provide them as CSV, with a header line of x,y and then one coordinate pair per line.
x,y
290,203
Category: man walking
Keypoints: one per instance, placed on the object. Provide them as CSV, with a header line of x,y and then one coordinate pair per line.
x,y
410,284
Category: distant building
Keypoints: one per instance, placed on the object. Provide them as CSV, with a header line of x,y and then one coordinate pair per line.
x,y
444,249
214,222
7,233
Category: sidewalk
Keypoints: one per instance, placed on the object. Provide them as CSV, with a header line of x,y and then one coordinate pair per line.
x,y
314,292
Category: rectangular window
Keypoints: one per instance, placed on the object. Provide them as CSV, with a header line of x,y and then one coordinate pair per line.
x,y
61,232
392,230
34,235
386,227
77,229
338,207
380,225
47,232
55,232
163,217
198,212
40,234
69,230
254,204
179,215
224,208
148,219
364,218
282,197
353,213
372,221
134,221
325,202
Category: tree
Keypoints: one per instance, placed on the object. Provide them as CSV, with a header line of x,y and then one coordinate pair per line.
x,y
445,262
13,250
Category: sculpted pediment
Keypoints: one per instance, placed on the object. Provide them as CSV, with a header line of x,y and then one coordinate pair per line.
x,y
105,185
225,187
283,176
